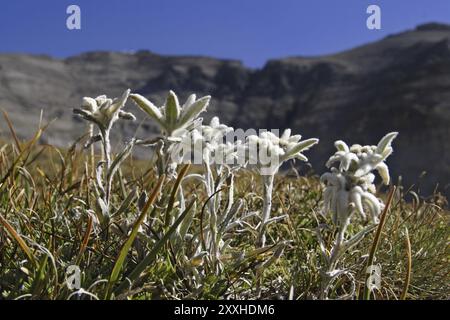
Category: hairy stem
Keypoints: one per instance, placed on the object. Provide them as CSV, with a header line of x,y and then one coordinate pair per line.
x,y
92,149
107,158
267,207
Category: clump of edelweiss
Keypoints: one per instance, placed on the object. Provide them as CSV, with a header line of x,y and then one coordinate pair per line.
x,y
349,188
267,152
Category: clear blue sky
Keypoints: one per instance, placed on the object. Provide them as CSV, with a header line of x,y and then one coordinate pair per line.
x,y
249,30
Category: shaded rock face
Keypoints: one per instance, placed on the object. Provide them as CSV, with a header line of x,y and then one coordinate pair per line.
x,y
400,83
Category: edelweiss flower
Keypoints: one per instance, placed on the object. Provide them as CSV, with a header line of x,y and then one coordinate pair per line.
x,y
293,147
358,196
343,155
373,157
171,116
229,153
340,197
268,151
335,196
217,149
264,153
206,144
104,111
350,187
215,131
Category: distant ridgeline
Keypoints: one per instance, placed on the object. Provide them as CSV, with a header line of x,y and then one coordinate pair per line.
x,y
400,83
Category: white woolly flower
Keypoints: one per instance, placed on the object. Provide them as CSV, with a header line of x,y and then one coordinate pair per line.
x,y
172,116
264,153
268,151
358,196
373,157
229,154
343,155
207,144
215,131
293,147
104,111
350,187
217,150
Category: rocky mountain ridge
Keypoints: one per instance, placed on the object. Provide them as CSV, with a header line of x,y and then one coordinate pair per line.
x,y
400,83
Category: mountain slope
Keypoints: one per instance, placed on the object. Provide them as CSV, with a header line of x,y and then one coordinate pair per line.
x,y
400,83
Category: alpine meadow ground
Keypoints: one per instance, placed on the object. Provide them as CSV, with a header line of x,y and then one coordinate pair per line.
x,y
170,227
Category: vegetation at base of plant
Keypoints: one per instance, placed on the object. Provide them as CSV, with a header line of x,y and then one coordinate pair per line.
x,y
165,229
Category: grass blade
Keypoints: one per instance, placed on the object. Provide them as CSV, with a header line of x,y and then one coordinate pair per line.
x,y
126,246
85,239
19,239
409,265
11,129
376,240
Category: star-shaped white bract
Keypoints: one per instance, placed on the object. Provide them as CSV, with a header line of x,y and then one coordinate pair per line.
x,y
171,116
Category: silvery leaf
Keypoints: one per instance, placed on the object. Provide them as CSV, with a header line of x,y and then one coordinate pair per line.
x,y
148,107
192,111
386,142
